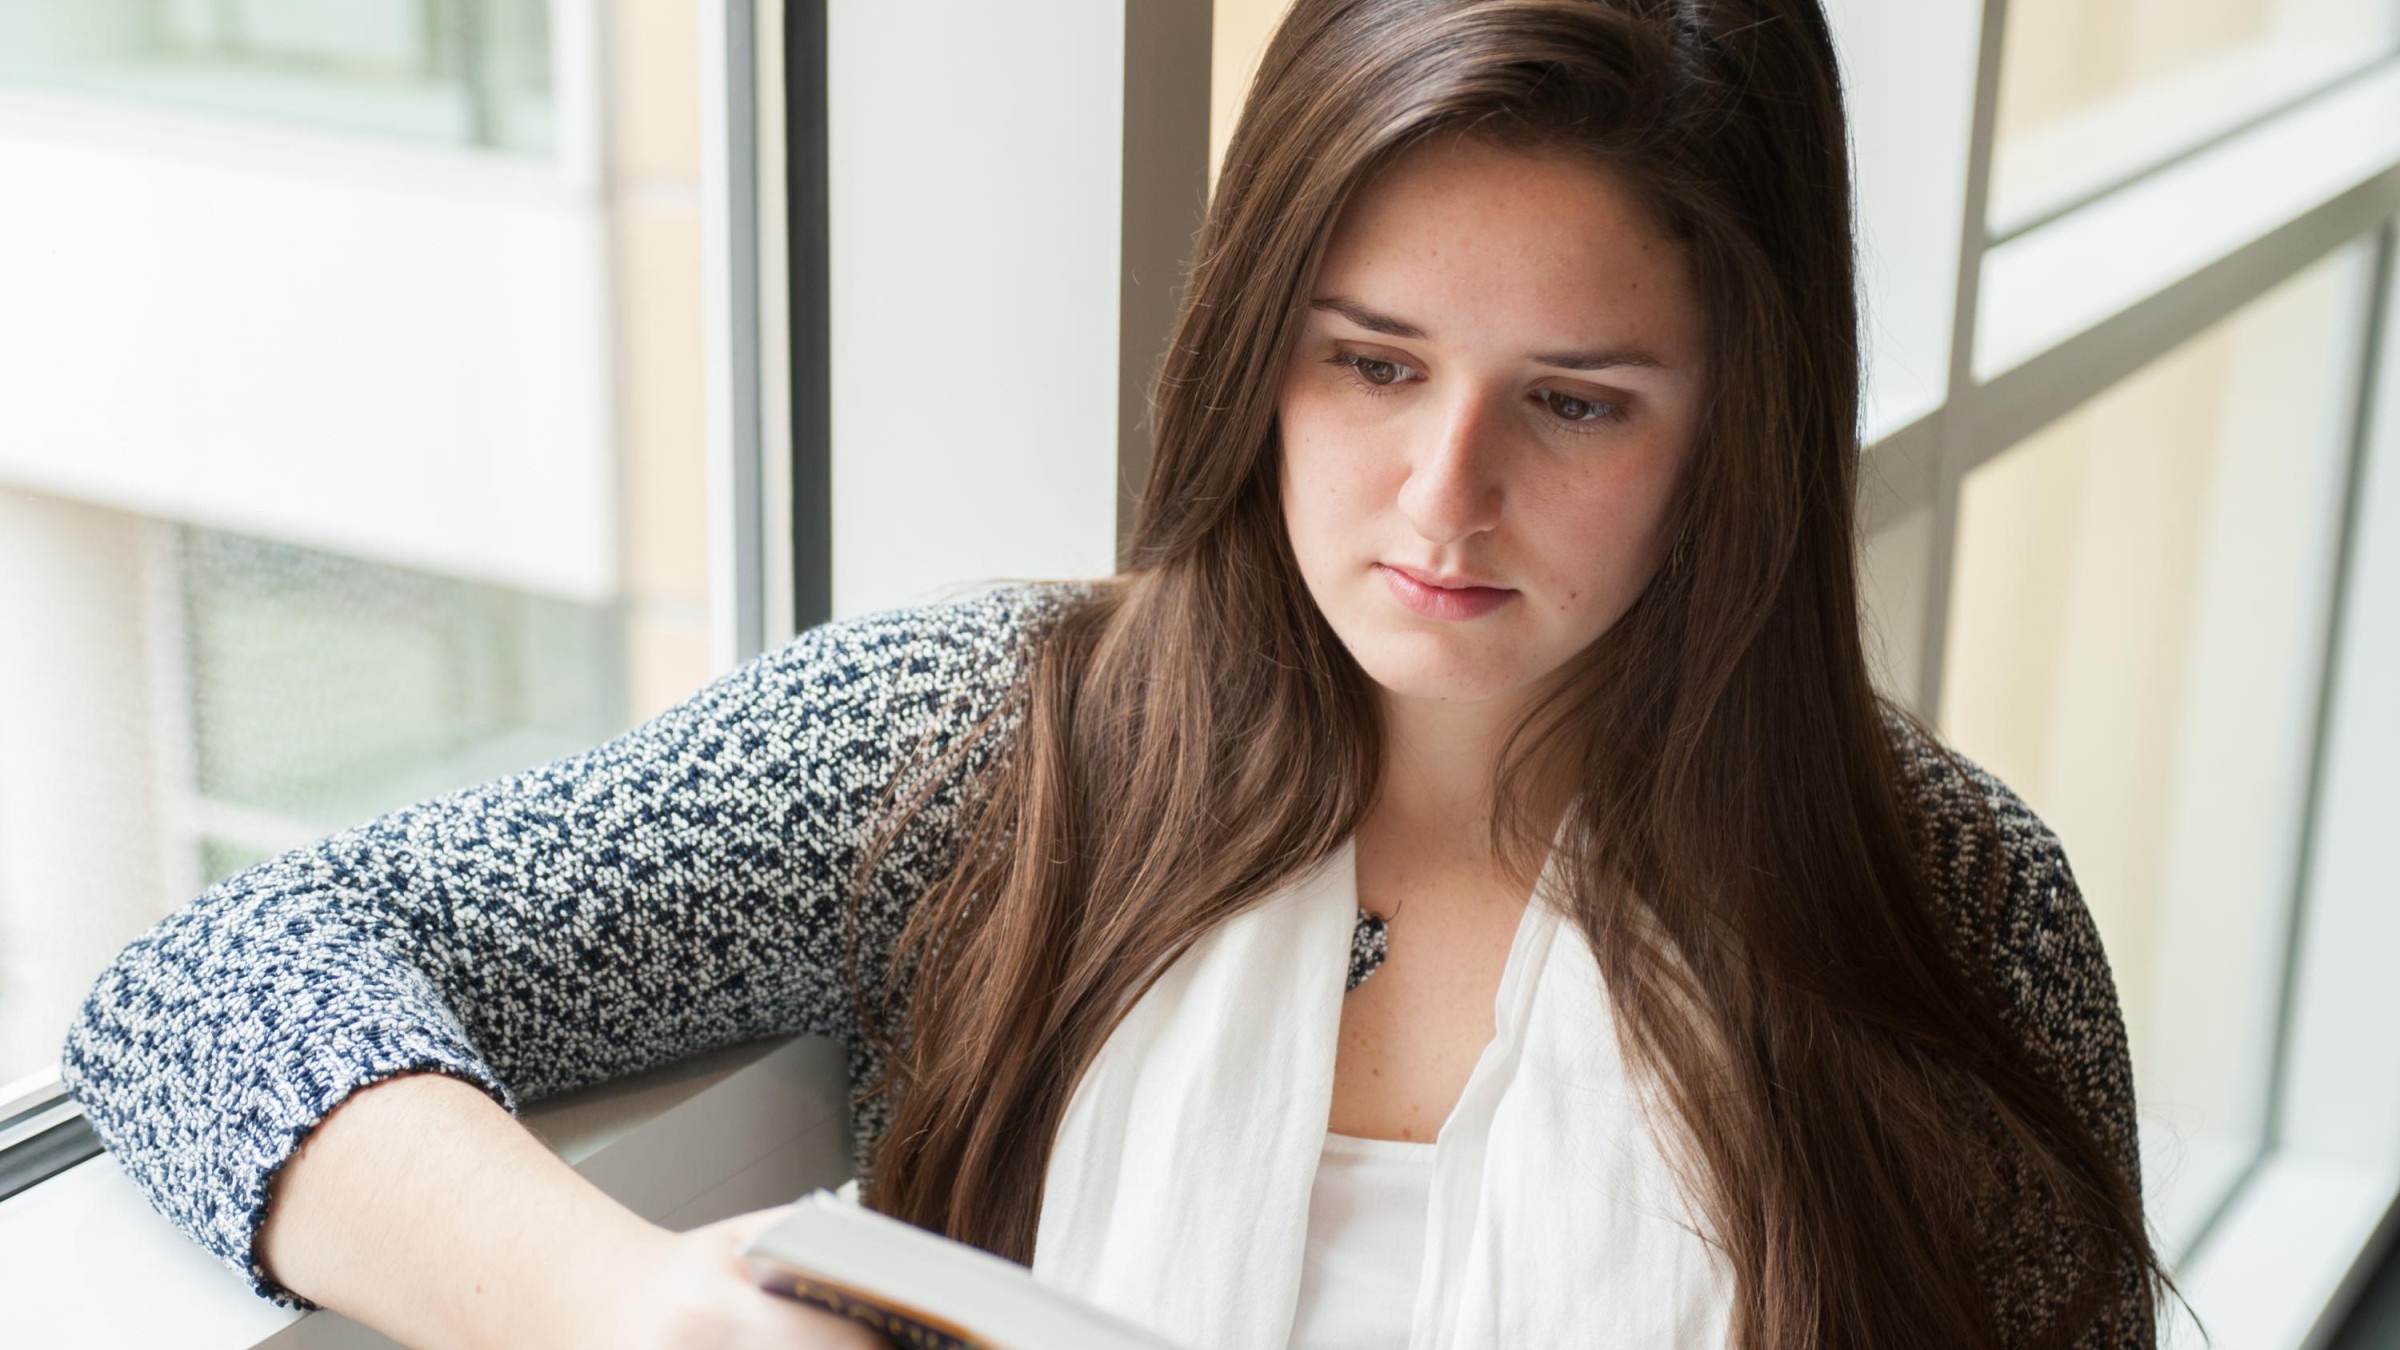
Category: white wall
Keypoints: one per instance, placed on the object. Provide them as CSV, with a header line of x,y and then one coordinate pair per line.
x,y
1909,66
389,352
975,184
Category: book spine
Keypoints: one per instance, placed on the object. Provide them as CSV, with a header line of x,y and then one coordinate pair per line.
x,y
903,1331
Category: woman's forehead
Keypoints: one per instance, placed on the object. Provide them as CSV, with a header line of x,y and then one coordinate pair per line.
x,y
1467,240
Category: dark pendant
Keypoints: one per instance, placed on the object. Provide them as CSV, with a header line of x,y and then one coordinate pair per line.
x,y
1368,942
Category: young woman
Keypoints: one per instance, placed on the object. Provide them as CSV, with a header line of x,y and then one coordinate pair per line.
x,y
1455,886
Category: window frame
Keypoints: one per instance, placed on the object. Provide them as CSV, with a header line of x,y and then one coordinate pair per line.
x,y
746,48
2287,1249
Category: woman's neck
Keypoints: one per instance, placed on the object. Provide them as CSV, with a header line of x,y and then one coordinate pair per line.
x,y
1438,772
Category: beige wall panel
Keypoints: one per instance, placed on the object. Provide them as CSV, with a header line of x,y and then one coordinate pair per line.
x,y
664,447
654,88
1242,29
666,657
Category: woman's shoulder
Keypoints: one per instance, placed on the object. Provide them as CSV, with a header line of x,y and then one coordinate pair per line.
x,y
2000,874
1962,812
911,668
1999,870
981,628
2018,917
2019,920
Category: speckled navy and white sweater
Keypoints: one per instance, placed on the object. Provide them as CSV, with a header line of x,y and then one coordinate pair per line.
x,y
682,887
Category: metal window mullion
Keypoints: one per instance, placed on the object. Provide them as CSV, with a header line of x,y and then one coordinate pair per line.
x,y
1950,450
808,341
2183,154
42,1132
173,709
1896,477
1164,192
2019,402
729,169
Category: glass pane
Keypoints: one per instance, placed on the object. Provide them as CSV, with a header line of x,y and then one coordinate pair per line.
x,y
399,484
323,687
455,72
2136,641
2093,90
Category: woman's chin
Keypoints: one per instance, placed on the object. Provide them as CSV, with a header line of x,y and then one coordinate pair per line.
x,y
1438,681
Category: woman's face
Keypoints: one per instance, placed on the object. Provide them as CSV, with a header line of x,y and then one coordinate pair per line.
x,y
1486,417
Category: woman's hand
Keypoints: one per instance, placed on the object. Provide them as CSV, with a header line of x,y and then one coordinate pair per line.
x,y
422,1209
690,1293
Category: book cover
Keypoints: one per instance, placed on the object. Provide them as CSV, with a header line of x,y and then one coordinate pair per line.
x,y
907,1328
921,1290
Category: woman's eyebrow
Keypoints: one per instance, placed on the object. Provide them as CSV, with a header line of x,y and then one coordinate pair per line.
x,y
1601,358
1366,318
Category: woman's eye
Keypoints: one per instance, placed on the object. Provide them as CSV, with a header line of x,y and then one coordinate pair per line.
x,y
1368,371
1572,409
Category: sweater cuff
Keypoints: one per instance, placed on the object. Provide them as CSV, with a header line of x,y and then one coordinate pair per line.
x,y
294,1100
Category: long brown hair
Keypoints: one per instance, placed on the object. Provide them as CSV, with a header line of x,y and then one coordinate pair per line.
x,y
1742,852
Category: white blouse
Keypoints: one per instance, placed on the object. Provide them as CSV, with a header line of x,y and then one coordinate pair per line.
x,y
1366,1244
1179,1187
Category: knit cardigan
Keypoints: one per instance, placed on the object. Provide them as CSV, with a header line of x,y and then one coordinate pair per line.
x,y
685,886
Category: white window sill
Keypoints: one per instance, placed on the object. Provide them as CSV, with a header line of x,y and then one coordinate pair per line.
x,y
2288,1260
88,1263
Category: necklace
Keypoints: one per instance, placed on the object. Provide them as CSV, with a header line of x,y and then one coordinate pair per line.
x,y
1370,942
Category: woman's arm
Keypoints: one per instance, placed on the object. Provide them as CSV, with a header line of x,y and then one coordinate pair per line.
x,y
421,1209
2059,997
2058,979
683,886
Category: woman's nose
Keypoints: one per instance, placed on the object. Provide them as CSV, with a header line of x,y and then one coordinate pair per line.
x,y
1454,488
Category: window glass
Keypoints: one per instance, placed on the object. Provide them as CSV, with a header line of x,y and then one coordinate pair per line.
x,y
398,484
2136,641
455,72
2093,90
321,688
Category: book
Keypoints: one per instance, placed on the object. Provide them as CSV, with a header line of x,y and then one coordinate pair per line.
x,y
921,1290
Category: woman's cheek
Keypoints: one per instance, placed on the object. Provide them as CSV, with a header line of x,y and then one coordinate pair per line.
x,y
1311,486
1319,462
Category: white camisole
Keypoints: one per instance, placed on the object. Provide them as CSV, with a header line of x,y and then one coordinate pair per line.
x,y
1366,1244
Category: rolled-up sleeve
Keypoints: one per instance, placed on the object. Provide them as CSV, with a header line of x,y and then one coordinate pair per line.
x,y
686,885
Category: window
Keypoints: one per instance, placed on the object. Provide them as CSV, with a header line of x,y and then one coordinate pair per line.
x,y
2093,91
445,72
2137,641
2127,556
338,470
318,689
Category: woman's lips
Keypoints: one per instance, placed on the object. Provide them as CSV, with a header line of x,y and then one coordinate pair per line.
x,y
1440,602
